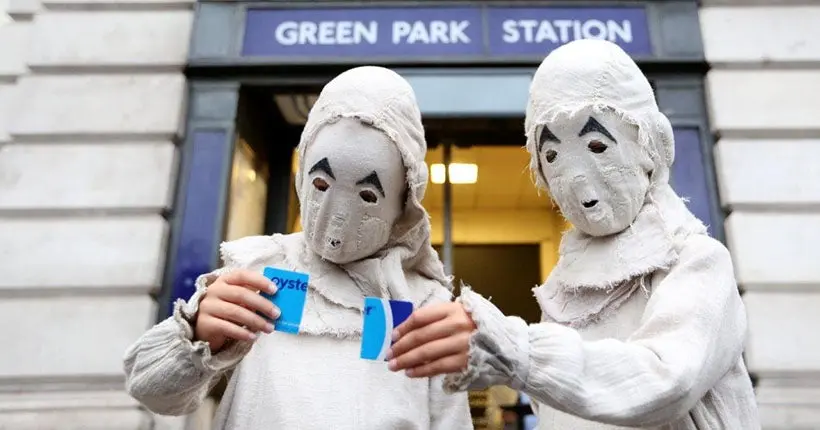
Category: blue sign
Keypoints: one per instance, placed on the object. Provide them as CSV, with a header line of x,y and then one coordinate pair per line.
x,y
438,32
529,31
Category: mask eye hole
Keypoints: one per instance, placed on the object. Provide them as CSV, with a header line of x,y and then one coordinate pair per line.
x,y
551,154
368,196
320,184
597,147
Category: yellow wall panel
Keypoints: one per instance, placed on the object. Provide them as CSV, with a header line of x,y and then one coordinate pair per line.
x,y
495,227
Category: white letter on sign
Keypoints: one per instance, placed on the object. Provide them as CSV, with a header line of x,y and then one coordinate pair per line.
x,y
546,32
457,32
419,33
400,30
286,34
623,31
368,33
510,31
344,33
327,33
438,32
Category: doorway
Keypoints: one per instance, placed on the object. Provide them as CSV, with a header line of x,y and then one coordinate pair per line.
x,y
501,232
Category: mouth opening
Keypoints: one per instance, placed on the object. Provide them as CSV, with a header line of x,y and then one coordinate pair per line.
x,y
590,204
334,243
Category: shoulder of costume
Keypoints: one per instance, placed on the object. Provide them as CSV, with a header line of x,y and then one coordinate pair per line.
x,y
703,246
249,250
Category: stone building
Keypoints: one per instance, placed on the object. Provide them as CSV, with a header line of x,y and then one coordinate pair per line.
x,y
136,134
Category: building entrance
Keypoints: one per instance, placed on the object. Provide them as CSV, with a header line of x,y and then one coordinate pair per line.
x,y
255,70
492,228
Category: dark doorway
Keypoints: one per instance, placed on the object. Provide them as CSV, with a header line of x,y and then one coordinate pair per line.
x,y
505,273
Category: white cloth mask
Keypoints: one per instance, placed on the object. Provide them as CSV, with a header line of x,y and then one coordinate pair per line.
x,y
595,170
353,191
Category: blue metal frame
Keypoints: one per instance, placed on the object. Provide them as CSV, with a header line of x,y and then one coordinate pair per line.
x,y
198,217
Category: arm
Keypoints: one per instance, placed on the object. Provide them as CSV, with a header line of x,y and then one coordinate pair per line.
x,y
448,411
691,334
167,370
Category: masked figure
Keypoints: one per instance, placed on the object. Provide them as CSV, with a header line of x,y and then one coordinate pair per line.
x,y
360,182
643,325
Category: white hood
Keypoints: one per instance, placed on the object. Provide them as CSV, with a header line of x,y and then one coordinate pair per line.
x,y
596,273
598,74
382,99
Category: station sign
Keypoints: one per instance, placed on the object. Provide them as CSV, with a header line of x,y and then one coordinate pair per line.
x,y
440,32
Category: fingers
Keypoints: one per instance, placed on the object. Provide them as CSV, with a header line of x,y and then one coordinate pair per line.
x,y
420,318
450,364
424,334
251,280
247,298
432,352
226,328
236,314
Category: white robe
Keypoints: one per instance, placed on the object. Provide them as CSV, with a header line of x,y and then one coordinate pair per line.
x,y
642,328
315,380
669,359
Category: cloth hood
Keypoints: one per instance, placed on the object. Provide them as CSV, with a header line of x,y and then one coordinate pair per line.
x,y
380,98
598,74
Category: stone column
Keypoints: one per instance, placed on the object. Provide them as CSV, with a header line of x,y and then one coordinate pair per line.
x,y
91,111
764,100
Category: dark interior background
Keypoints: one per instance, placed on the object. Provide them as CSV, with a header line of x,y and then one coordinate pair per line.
x,y
507,273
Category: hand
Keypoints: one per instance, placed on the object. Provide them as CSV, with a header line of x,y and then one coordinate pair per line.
x,y
433,341
228,310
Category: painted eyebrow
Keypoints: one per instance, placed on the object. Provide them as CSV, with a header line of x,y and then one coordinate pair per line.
x,y
372,179
546,136
322,166
593,126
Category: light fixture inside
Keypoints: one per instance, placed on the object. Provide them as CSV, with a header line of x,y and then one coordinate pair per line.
x,y
460,173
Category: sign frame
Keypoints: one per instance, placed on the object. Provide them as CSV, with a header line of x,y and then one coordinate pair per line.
x,y
219,33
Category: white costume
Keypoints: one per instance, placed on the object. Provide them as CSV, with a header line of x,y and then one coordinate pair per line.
x,y
360,182
642,324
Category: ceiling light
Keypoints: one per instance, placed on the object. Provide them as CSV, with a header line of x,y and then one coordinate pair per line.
x,y
460,173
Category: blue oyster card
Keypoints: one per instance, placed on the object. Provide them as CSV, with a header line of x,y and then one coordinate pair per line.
x,y
289,298
381,316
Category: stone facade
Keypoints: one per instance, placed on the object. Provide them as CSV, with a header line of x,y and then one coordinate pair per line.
x,y
92,104
92,100
763,99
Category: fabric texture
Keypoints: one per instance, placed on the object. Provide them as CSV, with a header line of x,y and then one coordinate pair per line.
x,y
639,221
382,99
641,327
354,191
595,169
316,380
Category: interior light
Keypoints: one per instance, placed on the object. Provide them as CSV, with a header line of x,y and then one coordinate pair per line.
x,y
460,173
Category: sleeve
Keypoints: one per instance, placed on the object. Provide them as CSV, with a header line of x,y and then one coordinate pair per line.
x,y
448,411
168,371
691,334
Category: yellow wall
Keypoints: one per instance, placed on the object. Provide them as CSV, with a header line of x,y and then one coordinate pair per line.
x,y
248,194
